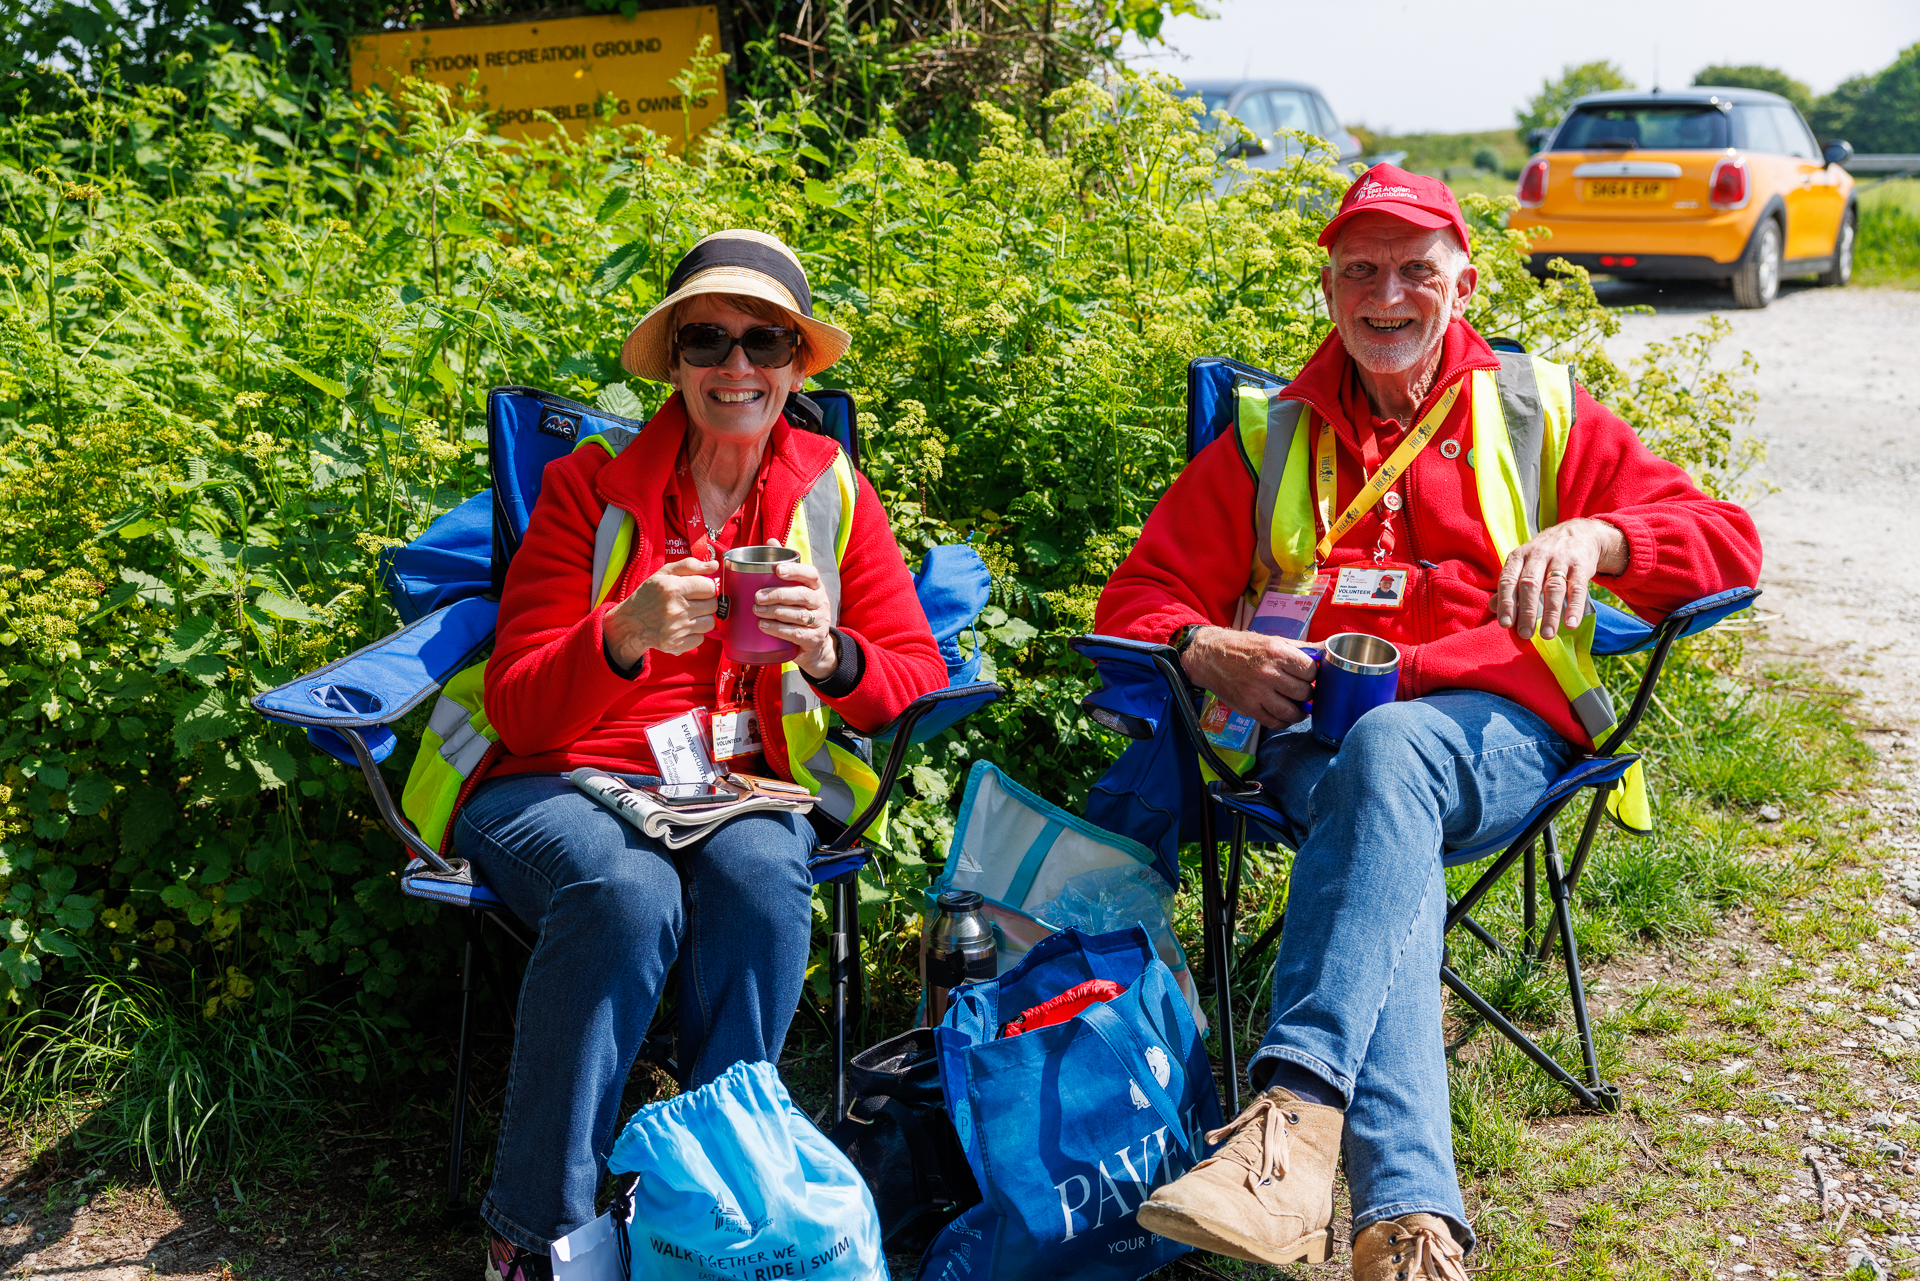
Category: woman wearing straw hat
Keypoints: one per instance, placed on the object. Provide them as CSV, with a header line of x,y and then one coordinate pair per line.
x,y
591,651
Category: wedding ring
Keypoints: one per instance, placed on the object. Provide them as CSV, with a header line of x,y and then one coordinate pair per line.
x,y
1556,573
809,622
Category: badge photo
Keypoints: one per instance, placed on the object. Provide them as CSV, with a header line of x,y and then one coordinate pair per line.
x,y
1382,588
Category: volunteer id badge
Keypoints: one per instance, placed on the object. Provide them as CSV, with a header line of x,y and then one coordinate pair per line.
x,y
1382,587
736,733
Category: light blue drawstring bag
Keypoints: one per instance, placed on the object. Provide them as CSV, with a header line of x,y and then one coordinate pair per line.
x,y
734,1181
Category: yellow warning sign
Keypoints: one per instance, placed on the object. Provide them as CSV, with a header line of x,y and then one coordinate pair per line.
x,y
566,67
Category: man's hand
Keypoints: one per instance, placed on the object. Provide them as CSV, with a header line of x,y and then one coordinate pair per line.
x,y
1545,581
672,611
1262,676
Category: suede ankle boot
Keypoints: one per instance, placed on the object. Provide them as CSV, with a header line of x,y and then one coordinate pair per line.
x,y
1267,1195
1417,1247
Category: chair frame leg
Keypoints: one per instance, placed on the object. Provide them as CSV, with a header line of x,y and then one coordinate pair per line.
x,y
1214,944
1592,1092
843,910
456,1154
1529,898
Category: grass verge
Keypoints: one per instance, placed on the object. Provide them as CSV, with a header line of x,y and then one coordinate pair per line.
x,y
1888,251
1694,940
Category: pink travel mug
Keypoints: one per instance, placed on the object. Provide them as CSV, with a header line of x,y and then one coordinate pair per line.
x,y
744,571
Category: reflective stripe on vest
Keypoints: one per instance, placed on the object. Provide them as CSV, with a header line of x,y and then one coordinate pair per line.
x,y
844,781
1521,419
459,734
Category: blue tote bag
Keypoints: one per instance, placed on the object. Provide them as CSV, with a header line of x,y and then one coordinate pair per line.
x,y
1069,1128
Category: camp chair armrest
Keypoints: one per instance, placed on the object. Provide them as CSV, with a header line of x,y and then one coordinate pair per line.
x,y
1146,659
971,697
1688,620
373,688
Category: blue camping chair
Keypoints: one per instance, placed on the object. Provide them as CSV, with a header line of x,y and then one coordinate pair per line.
x,y
446,586
1146,696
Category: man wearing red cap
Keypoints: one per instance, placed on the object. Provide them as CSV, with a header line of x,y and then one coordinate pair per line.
x,y
1275,532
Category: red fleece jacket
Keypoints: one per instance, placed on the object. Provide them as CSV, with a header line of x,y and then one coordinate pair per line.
x,y
551,695
1193,558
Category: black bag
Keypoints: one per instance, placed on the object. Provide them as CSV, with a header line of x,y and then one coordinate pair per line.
x,y
898,1135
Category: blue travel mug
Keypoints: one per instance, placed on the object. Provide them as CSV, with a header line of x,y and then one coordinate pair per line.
x,y
1357,673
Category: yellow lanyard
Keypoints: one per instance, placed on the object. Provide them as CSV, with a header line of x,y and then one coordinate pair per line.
x,y
1380,482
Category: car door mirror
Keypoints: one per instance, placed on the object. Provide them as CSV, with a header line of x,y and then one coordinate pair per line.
x,y
1537,138
1244,148
1838,152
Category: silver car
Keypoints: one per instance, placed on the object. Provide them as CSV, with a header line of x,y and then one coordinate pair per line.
x,y
1269,106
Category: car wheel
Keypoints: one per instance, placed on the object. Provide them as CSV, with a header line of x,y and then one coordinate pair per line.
x,y
1758,279
1842,269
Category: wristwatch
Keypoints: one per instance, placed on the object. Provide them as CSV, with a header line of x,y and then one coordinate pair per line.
x,y
1183,637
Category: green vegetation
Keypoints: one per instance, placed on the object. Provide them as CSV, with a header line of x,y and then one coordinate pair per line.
x,y
916,65
246,331
1749,76
1546,108
1888,251
1878,112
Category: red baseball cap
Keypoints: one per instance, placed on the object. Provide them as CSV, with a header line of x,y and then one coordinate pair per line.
x,y
1410,197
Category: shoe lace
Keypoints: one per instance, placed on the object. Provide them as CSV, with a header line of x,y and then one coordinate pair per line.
x,y
1434,1253
1258,1140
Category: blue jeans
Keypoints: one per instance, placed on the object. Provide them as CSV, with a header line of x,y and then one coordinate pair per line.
x,y
1356,986
614,910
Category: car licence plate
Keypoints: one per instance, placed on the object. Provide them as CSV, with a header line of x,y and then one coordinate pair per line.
x,y
1626,189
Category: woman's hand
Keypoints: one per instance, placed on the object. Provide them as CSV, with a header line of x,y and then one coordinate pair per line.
x,y
672,611
1545,581
800,613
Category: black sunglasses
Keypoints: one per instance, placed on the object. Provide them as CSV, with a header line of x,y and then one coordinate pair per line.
x,y
768,346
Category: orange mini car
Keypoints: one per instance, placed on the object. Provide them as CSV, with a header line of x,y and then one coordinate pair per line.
x,y
1702,183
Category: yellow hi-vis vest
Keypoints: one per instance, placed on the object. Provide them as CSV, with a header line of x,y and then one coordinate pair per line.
x,y
1522,415
459,736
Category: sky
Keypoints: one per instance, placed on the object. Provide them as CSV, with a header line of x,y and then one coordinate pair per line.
x,y
1416,66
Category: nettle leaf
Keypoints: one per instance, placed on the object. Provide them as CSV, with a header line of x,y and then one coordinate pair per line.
x,y
58,880
90,795
148,588
618,267
273,764
178,897
332,460
226,778
612,205
291,611
21,967
1015,633
192,637
206,718
618,398
930,784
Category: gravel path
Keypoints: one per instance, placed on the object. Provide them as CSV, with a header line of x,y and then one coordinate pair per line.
x,y
1839,385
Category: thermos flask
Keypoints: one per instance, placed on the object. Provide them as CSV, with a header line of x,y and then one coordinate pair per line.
x,y
960,949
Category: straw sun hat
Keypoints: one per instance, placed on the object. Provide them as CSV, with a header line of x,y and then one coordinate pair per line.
x,y
749,264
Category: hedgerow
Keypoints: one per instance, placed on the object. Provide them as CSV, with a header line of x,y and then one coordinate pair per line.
x,y
246,334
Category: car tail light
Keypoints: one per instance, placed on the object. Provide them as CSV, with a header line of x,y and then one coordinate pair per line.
x,y
1729,187
1533,183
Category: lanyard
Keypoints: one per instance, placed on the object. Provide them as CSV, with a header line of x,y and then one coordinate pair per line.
x,y
733,687
1379,483
704,544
